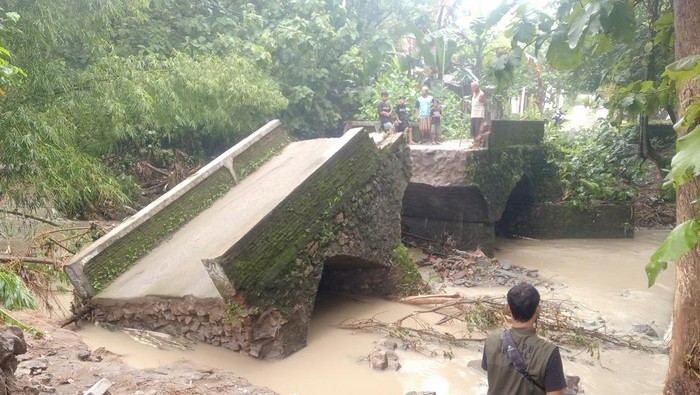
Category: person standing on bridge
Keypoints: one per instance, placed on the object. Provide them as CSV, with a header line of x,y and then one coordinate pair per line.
x,y
402,124
384,110
423,105
517,361
435,117
478,112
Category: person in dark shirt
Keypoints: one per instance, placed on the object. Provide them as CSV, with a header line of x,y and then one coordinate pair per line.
x,y
543,373
384,110
435,117
402,124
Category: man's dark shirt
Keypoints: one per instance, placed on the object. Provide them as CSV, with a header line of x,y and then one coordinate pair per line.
x,y
400,111
382,107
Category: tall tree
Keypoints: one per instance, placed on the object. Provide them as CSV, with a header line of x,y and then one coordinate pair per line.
x,y
684,366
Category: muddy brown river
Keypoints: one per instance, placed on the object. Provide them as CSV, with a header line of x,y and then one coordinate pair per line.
x,y
604,277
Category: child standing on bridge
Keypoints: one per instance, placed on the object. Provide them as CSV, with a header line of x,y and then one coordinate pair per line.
x,y
402,119
435,116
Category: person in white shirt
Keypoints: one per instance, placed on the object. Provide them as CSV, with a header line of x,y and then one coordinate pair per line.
x,y
478,109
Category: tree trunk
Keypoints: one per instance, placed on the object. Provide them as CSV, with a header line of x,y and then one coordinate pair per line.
x,y
684,364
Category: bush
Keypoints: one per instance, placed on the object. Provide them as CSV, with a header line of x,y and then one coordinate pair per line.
x,y
595,164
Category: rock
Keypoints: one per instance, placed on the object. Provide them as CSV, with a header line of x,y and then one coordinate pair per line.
x,y
533,273
482,262
378,360
645,329
506,264
421,393
11,344
34,366
389,344
84,355
572,385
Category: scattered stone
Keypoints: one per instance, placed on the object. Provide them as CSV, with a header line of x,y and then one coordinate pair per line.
x,y
84,355
645,329
34,366
378,360
100,388
421,393
533,273
390,344
572,385
506,265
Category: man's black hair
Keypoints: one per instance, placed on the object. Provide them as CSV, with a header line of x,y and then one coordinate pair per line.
x,y
402,97
523,300
384,93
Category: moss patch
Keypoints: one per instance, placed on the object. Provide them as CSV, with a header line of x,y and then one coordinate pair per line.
x,y
255,156
497,171
404,273
266,265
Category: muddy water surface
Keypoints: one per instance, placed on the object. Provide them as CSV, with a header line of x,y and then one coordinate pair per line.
x,y
605,277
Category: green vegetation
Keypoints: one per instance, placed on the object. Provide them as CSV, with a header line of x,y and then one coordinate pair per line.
x,y
596,165
405,272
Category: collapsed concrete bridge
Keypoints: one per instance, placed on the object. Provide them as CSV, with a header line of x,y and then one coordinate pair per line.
x,y
235,254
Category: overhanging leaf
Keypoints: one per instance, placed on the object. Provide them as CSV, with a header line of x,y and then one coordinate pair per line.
x,y
622,21
560,55
684,69
682,239
686,162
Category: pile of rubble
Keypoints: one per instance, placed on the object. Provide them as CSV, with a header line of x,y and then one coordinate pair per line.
x,y
471,269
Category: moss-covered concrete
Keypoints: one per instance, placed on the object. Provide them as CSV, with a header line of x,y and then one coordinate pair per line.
x,y
263,265
557,221
122,255
497,171
98,265
256,155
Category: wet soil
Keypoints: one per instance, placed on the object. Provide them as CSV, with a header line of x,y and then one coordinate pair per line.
x,y
60,362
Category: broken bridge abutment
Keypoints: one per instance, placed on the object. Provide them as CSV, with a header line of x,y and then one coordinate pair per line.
x,y
234,255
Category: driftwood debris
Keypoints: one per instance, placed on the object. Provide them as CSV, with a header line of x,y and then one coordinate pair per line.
x,y
431,299
77,316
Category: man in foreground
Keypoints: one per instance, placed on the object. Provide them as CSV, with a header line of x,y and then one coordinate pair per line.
x,y
517,361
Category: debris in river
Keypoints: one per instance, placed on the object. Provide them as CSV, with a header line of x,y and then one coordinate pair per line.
x,y
559,321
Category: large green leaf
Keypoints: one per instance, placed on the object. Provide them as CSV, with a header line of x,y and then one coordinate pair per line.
x,y
686,162
580,24
684,69
622,21
560,55
682,239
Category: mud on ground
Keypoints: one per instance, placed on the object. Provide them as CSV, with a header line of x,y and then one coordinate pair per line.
x,y
61,363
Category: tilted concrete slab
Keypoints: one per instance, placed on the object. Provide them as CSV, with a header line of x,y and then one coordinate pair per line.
x,y
243,267
174,268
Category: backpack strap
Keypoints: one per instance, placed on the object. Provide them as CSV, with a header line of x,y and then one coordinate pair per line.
x,y
511,349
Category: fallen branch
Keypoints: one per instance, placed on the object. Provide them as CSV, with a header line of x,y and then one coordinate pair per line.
x,y
77,316
558,322
28,259
430,299
29,216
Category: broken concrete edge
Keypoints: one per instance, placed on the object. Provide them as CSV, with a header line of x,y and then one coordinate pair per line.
x,y
255,262
76,267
